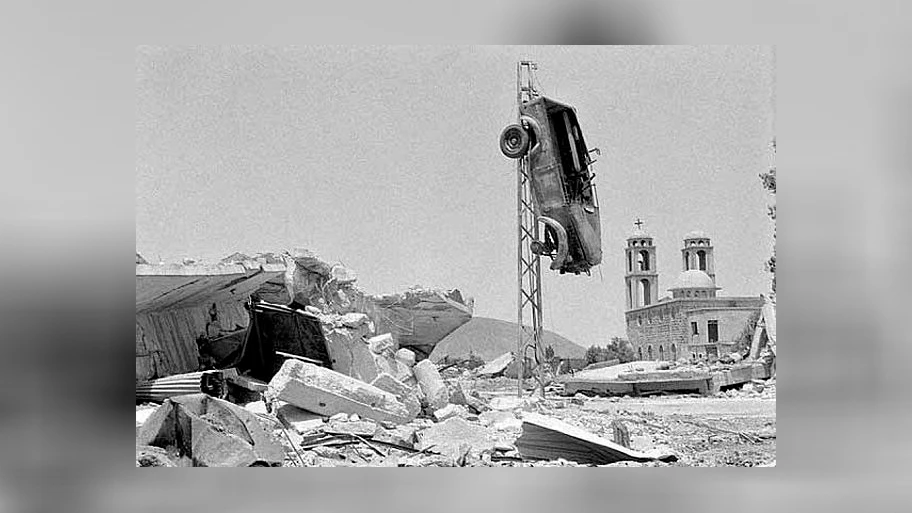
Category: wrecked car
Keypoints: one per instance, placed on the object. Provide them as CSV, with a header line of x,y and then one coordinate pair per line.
x,y
562,182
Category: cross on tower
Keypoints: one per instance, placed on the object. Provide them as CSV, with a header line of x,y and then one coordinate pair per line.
x,y
638,223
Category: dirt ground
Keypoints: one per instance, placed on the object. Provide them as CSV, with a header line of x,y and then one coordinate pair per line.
x,y
734,428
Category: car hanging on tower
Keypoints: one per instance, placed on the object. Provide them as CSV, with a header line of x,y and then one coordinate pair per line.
x,y
562,182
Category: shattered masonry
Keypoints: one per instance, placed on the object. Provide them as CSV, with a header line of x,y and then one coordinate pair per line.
x,y
298,367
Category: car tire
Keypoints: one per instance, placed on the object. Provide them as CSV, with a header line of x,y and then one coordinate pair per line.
x,y
514,141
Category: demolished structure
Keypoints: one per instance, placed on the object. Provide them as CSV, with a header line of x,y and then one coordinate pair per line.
x,y
280,360
251,312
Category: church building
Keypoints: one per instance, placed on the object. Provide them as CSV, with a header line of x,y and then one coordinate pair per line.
x,y
694,322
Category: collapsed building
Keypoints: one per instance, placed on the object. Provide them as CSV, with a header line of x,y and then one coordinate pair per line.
x,y
252,313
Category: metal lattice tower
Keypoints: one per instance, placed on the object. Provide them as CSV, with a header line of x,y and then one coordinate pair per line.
x,y
528,264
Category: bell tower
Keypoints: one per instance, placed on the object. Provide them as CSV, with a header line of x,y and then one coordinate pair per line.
x,y
697,254
642,278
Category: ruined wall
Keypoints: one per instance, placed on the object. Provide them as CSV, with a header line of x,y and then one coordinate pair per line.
x,y
166,340
659,325
731,323
667,323
418,318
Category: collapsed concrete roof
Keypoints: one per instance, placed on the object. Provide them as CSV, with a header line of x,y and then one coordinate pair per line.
x,y
178,305
164,286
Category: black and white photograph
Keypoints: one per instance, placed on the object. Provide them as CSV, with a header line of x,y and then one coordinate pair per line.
x,y
455,256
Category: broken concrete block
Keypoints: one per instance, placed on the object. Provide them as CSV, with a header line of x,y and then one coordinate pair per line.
x,y
300,420
476,403
504,446
457,396
579,399
405,374
350,353
406,356
151,456
211,432
327,392
385,363
435,391
450,437
496,366
500,420
358,427
400,435
256,407
382,343
504,403
405,394
450,410
354,320
142,414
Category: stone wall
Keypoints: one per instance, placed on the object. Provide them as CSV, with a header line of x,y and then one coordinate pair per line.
x,y
666,324
731,323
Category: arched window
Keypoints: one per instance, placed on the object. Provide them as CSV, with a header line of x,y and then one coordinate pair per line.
x,y
674,353
640,353
686,262
645,292
643,260
661,353
701,256
649,351
629,261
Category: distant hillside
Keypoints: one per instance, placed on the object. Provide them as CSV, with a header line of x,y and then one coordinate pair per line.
x,y
490,338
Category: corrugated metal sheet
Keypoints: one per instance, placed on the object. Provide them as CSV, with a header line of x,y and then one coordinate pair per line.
x,y
166,340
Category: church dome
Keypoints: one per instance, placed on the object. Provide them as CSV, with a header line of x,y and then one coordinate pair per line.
x,y
696,234
694,279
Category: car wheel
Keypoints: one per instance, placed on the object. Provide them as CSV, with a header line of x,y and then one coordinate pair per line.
x,y
514,141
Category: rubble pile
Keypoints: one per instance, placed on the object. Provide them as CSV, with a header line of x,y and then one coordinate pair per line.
x,y
370,400
417,318
457,417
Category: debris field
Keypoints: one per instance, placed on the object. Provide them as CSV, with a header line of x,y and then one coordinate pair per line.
x,y
322,378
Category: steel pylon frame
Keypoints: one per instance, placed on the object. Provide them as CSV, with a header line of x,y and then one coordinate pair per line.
x,y
528,264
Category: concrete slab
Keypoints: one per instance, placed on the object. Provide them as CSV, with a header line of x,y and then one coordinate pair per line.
x,y
212,432
164,286
406,395
547,438
302,421
327,392
432,385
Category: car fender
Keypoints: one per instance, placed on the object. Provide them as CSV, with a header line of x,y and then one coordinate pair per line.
x,y
562,248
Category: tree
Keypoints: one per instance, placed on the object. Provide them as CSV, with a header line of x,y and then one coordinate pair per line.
x,y
620,349
617,349
769,183
549,353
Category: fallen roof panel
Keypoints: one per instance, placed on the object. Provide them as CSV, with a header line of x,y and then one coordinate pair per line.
x,y
159,287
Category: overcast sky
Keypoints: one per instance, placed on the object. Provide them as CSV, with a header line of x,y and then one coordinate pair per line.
x,y
386,159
